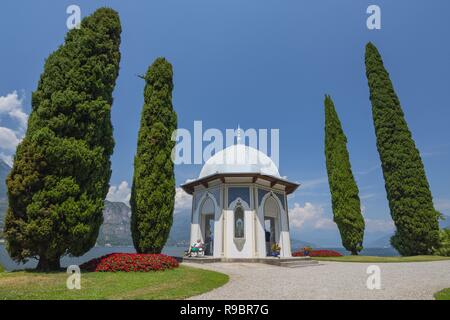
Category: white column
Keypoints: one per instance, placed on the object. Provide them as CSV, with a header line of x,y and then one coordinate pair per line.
x,y
261,242
218,233
284,236
195,226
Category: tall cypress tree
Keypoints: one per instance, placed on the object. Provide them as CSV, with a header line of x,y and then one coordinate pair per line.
x,y
344,191
153,191
407,188
62,167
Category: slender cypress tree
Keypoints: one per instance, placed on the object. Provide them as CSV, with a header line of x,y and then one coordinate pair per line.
x,y
153,191
344,191
407,188
62,167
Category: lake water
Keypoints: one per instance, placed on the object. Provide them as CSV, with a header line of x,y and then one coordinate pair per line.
x,y
96,252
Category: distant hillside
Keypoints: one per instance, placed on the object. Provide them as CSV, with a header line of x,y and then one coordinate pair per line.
x,y
3,208
181,228
4,171
383,242
115,229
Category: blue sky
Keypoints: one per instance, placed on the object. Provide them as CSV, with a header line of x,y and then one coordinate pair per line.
x,y
260,64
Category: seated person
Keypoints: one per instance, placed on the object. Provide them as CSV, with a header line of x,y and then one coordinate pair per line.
x,y
195,247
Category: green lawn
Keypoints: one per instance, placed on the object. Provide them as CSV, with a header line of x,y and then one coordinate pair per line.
x,y
443,295
382,259
178,283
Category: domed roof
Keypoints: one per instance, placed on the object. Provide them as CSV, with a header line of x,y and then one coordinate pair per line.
x,y
239,158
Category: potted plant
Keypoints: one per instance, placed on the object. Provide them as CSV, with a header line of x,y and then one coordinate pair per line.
x,y
307,251
275,250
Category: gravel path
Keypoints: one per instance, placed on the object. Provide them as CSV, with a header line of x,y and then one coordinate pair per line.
x,y
329,280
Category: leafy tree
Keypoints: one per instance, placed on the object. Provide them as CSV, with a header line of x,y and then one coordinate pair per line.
x,y
444,245
153,191
344,191
407,188
62,167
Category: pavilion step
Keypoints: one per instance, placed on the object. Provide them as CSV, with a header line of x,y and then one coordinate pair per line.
x,y
298,263
293,262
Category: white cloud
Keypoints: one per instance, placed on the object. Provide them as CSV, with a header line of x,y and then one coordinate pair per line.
x,y
310,214
8,139
299,215
7,158
121,193
12,105
183,201
325,224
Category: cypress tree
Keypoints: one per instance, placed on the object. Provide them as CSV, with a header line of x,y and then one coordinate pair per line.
x,y
407,188
62,167
344,191
153,190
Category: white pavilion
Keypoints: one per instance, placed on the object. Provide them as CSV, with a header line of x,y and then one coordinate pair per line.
x,y
239,207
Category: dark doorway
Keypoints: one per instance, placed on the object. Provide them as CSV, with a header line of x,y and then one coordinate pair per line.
x,y
269,226
209,234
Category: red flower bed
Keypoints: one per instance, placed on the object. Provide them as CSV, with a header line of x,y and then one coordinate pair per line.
x,y
130,262
318,253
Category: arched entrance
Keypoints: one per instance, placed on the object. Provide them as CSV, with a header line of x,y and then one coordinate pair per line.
x,y
271,224
207,225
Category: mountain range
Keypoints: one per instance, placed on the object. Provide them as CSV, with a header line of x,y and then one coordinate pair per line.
x,y
115,230
382,242
4,171
385,241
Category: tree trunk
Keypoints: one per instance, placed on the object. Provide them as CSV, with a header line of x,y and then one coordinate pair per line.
x,y
48,264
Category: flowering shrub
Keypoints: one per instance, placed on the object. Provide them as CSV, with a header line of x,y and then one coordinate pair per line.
x,y
130,262
318,253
